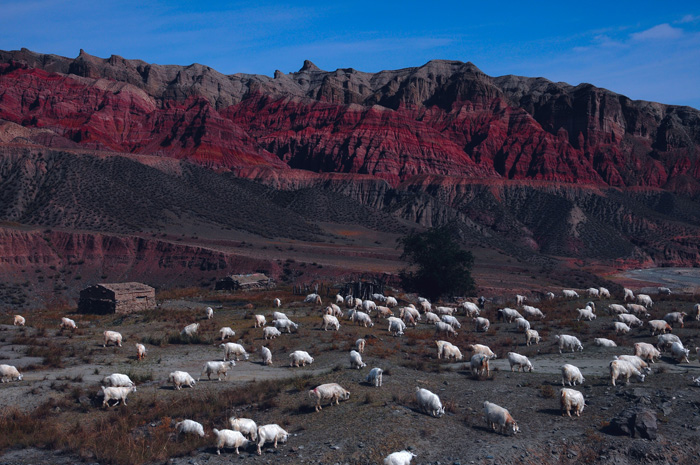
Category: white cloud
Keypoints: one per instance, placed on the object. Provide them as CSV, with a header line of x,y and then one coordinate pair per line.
x,y
661,32
688,19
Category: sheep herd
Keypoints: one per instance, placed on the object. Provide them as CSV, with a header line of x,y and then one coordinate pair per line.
x,y
446,322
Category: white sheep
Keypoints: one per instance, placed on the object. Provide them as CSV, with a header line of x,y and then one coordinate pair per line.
x,y
481,349
664,341
603,342
361,318
334,310
675,318
330,320
396,326
522,324
616,309
339,299
384,312
628,294
270,332
300,357
646,351
520,299
481,324
329,391
585,314
659,326
140,351
226,332
571,399
279,316
266,356
452,321
429,402
549,295
567,342
313,298
411,311
604,292
570,294
645,300
229,438
664,290
519,361
368,306
696,312
259,321
189,427
285,324
232,350
277,303
679,352
532,312
209,313
623,369
116,393
181,378
571,374
190,330
403,457
246,426
636,362
499,418
217,368
630,320
271,433
443,328
532,336
9,373
19,320
356,360
68,323
593,292
360,345
621,328
117,380
638,310
470,308
426,306
448,350
112,337
508,314
479,365
391,302
375,377
431,318
349,301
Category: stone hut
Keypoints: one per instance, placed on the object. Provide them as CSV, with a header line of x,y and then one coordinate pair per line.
x,y
119,298
244,282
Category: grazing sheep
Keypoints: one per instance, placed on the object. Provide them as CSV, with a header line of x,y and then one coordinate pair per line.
x,y
429,403
664,290
226,332
616,309
271,433
350,301
675,317
356,360
218,368
481,324
659,326
628,294
415,314
375,377
259,321
360,345
519,361
520,299
644,299
570,294
189,427
396,326
229,438
571,374
571,399
532,312
140,351
391,302
646,352
497,416
585,314
448,350
68,323
621,328
384,312
277,303
19,320
444,328
604,292
285,324
279,316
532,335
630,320
522,324
470,309
245,426
330,320
549,295
403,457
232,350
112,337
593,292
117,380
368,306
190,330
623,369
508,314
334,310
636,362
603,342
638,310
209,313
481,349
300,357
329,391
270,332
116,393
679,352
479,365
452,321
696,312
313,299
431,318
339,299
426,306
266,356
9,373
361,318
181,378
568,343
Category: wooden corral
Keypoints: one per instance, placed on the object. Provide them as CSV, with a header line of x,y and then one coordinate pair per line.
x,y
244,282
121,298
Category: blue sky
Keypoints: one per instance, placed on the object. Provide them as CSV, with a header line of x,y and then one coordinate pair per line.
x,y
644,49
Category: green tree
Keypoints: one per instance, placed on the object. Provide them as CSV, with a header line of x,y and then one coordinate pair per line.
x,y
438,265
